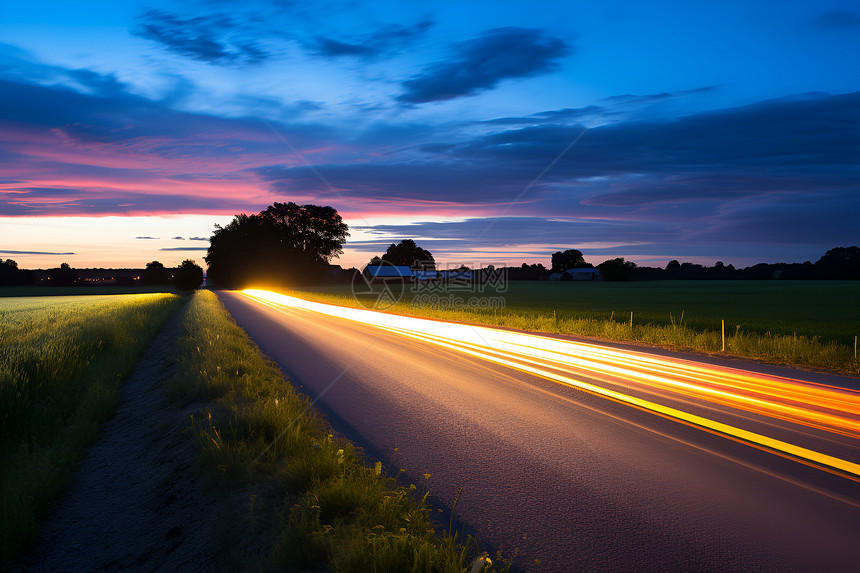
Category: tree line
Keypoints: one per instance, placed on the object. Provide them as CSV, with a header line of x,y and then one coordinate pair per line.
x,y
841,263
187,276
290,244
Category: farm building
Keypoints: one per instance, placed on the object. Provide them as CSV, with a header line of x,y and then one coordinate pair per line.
x,y
582,274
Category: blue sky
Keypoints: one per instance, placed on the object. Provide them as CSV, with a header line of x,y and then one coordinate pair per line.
x,y
487,131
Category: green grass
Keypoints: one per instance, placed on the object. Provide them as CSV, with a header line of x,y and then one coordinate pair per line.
x,y
311,501
805,323
61,363
27,291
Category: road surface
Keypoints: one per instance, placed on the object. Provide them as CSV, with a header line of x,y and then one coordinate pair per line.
x,y
583,457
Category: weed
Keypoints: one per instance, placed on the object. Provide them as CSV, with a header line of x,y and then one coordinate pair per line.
x,y
320,503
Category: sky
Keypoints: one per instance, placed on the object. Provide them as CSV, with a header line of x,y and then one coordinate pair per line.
x,y
488,132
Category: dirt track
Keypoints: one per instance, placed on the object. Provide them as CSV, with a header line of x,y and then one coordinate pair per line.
x,y
135,502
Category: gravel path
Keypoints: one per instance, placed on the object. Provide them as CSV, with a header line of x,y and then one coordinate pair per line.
x,y
135,502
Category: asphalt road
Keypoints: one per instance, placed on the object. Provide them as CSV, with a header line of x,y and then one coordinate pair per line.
x,y
569,479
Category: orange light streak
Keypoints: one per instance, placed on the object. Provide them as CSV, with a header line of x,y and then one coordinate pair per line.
x,y
567,362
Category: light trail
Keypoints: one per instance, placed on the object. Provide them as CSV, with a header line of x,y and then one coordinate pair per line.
x,y
818,406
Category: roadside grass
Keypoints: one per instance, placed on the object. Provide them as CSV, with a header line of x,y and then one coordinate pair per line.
x,y
310,500
802,323
62,360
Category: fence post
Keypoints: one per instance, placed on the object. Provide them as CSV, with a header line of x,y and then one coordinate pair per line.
x,y
631,320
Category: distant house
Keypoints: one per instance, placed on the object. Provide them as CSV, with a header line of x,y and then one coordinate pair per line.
x,y
581,274
387,272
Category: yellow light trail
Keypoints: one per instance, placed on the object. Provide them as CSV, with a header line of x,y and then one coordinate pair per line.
x,y
813,405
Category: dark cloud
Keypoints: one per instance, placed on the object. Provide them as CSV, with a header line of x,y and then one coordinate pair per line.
x,y
480,64
794,136
178,238
106,201
673,171
612,109
147,238
33,253
837,19
563,116
215,38
197,239
401,182
389,39
817,218
657,97
120,117
487,232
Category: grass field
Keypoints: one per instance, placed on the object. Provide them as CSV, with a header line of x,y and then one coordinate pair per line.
x,y
22,291
61,362
311,499
810,323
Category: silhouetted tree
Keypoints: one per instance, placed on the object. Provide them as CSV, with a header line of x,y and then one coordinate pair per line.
x,y
617,270
9,273
407,253
155,274
284,243
839,263
189,276
63,276
526,272
569,259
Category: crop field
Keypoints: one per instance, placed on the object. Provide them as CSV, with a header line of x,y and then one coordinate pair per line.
x,y
28,291
811,323
61,362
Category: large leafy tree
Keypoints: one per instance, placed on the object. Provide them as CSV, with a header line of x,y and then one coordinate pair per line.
x,y
617,270
155,273
9,272
189,276
569,259
839,263
63,276
407,253
285,243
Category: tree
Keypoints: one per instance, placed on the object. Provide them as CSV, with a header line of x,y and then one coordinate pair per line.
x,y
839,263
569,259
189,276
617,270
63,276
407,253
155,274
9,273
285,243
